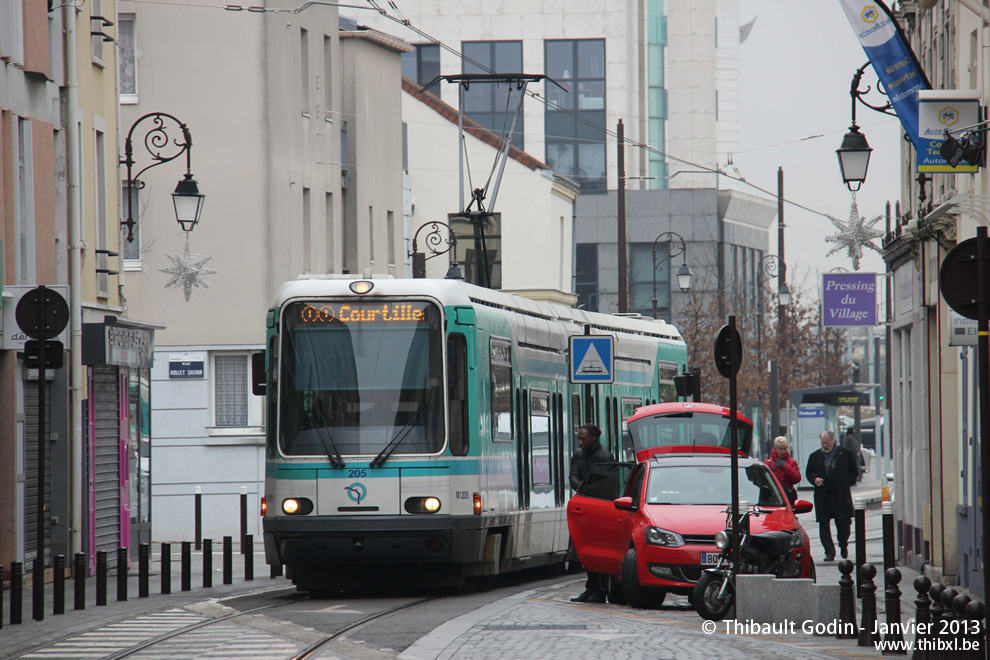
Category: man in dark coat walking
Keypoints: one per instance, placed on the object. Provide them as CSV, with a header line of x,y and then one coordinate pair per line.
x,y
590,452
832,470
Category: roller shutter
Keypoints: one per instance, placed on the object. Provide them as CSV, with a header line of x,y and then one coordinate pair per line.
x,y
106,459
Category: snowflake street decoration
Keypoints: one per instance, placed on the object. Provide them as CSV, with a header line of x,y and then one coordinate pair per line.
x,y
188,271
854,235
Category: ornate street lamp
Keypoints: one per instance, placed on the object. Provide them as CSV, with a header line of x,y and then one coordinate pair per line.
x,y
436,244
684,274
854,154
187,198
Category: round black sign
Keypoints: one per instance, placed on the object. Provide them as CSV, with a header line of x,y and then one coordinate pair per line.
x,y
957,279
723,356
42,313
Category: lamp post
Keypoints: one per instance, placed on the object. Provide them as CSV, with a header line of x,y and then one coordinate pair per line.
x,y
684,274
768,268
187,199
435,245
854,153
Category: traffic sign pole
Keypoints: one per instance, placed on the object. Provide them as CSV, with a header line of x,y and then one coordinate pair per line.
x,y
983,354
39,559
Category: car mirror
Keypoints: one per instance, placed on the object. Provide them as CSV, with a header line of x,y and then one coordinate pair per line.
x,y
624,504
802,506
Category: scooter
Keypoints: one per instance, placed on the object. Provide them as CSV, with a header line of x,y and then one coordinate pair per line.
x,y
765,553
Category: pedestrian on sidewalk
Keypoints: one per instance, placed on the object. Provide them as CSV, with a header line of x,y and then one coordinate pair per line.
x,y
784,467
590,452
833,471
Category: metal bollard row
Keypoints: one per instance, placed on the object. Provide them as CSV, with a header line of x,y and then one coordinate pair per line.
x,y
80,573
869,618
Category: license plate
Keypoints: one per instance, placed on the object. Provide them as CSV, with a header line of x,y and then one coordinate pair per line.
x,y
709,558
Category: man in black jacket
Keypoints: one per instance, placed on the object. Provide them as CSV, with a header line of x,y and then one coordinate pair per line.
x,y
590,452
832,470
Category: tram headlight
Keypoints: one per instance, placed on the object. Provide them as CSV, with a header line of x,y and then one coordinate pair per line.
x,y
361,287
427,504
297,506
264,506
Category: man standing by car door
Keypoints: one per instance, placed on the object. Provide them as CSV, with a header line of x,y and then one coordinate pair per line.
x,y
590,452
833,471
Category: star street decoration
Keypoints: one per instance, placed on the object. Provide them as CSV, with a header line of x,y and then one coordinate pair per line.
x,y
854,235
188,271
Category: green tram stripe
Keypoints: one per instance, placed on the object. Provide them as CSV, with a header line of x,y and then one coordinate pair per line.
x,y
305,470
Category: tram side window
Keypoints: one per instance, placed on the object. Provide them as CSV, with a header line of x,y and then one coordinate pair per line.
x,y
666,372
539,425
457,375
500,354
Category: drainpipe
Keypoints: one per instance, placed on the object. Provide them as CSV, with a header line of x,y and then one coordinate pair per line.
x,y
70,14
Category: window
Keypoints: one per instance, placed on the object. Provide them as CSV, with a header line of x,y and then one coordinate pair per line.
x,y
422,64
327,78
457,390
606,481
500,355
98,24
575,132
12,30
230,390
641,279
665,373
100,196
494,105
127,58
307,233
24,229
586,276
539,433
304,70
130,206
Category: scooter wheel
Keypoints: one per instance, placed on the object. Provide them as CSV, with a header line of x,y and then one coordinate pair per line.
x,y
706,600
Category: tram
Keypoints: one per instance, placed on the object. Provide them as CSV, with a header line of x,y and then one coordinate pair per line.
x,y
421,430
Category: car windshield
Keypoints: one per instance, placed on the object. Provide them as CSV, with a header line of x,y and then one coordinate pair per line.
x,y
687,428
711,484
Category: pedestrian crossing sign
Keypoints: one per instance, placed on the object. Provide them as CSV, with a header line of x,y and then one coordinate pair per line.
x,y
592,359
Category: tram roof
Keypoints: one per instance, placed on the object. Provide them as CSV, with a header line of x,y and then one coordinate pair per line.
x,y
456,292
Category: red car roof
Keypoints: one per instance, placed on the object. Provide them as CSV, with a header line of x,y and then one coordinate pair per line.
x,y
685,406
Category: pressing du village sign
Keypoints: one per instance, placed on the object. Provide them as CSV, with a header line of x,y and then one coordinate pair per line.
x,y
849,299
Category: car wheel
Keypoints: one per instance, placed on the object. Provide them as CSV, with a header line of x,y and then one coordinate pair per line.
x,y
616,594
705,597
636,594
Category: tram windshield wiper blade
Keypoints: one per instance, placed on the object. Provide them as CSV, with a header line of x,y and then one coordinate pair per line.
x,y
325,429
399,436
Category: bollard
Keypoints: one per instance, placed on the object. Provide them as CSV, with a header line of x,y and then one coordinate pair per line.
x,y
198,516
207,563
186,565
38,589
79,579
975,612
58,593
122,574
887,516
244,516
1,596
101,577
276,571
922,616
143,568
228,551
869,621
948,613
936,595
166,568
892,594
859,504
958,634
248,556
847,602
16,588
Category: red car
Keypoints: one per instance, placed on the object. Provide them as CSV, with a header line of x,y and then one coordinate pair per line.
x,y
651,525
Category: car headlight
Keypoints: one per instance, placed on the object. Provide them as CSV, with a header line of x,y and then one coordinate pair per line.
x,y
722,540
658,536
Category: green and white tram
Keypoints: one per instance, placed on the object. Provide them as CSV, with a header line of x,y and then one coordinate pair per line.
x,y
423,428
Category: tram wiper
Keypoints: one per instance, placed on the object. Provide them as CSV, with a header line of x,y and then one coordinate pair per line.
x,y
400,435
324,421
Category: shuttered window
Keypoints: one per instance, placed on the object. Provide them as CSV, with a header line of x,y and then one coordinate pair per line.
x,y
230,378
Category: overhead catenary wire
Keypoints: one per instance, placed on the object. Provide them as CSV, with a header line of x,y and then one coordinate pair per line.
x,y
402,20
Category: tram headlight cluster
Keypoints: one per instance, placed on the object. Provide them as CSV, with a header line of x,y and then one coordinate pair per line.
x,y
297,506
428,504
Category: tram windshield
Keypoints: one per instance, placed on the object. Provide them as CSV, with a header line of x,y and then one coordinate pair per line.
x,y
357,376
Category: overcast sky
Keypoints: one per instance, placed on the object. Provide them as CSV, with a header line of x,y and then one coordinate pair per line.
x,y
795,71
